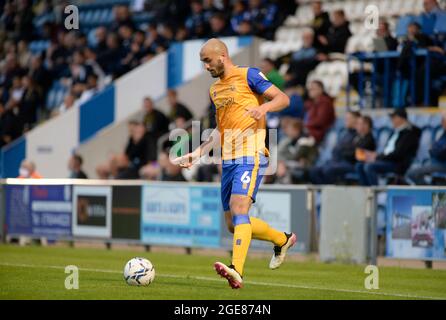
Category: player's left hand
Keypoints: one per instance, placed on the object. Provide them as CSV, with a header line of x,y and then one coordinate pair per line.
x,y
255,112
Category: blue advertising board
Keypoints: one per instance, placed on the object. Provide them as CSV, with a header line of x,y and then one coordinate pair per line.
x,y
416,224
43,211
188,216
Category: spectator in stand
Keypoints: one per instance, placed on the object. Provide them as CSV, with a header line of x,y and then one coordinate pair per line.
x,y
24,20
219,27
196,23
10,128
11,69
136,151
156,124
41,76
320,113
69,102
168,170
432,7
23,54
125,34
92,64
321,23
78,71
58,53
338,34
181,34
437,163
27,170
302,61
264,18
122,17
101,40
365,141
126,165
415,40
177,109
91,88
7,19
30,103
210,9
245,28
398,154
296,152
168,34
286,8
418,40
268,68
154,42
75,167
114,52
343,155
239,15
384,33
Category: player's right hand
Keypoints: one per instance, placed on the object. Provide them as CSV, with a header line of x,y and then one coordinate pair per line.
x,y
185,161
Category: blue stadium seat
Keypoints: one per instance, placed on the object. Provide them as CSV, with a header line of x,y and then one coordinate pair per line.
x,y
435,120
420,120
96,15
383,135
327,146
382,121
402,24
38,46
425,145
436,133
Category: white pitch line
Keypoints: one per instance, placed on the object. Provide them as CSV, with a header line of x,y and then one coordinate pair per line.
x,y
269,284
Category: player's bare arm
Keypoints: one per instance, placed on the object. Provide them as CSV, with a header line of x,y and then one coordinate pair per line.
x,y
189,159
277,100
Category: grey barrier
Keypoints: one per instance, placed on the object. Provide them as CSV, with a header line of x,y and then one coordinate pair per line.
x,y
341,223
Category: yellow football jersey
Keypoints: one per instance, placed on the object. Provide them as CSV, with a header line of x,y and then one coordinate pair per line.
x,y
241,135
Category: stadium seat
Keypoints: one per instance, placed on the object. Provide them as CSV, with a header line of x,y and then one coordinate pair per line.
x,y
327,146
435,120
383,136
403,23
425,145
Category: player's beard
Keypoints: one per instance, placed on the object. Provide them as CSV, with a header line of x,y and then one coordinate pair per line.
x,y
219,70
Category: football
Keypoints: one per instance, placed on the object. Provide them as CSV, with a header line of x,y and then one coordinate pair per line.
x,y
139,272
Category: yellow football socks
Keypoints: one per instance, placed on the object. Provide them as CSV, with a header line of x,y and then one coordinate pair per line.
x,y
262,231
241,241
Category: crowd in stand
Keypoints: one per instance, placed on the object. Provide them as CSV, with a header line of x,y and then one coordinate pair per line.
x,y
85,68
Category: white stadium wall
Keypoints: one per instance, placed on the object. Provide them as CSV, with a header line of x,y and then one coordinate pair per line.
x,y
150,79
51,144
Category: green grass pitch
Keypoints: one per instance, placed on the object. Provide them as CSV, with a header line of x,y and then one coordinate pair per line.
x,y
36,272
